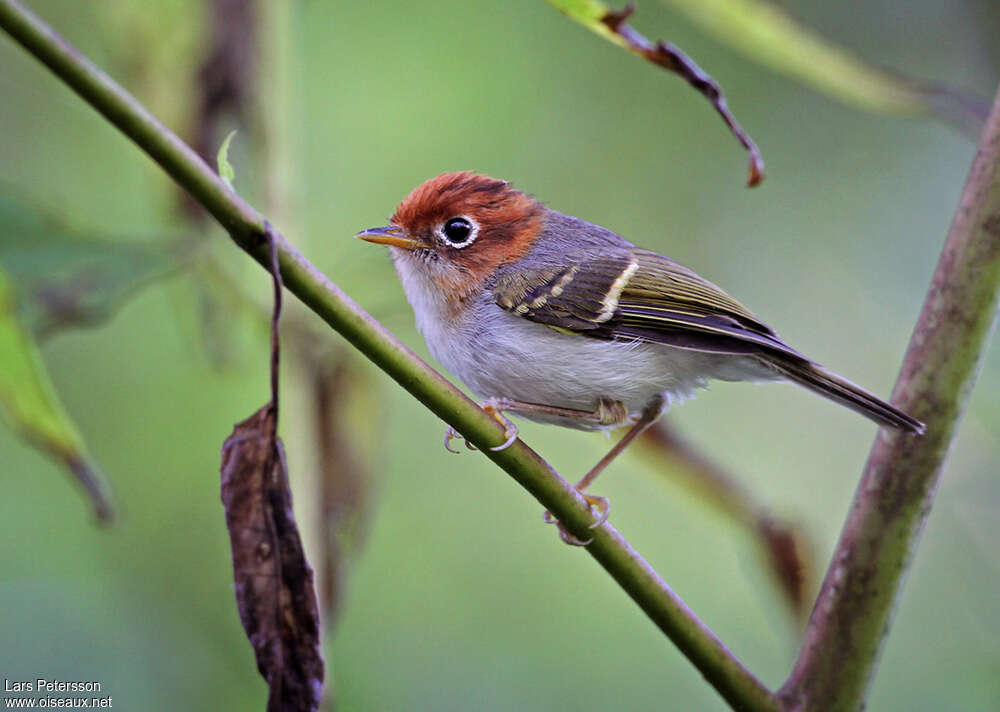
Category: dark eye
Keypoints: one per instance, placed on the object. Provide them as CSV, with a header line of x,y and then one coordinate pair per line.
x,y
458,231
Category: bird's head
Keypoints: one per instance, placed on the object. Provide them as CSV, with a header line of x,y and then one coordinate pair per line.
x,y
456,230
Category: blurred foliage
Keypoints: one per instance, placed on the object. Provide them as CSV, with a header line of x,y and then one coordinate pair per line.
x,y
63,278
155,47
51,278
32,407
784,545
767,33
462,599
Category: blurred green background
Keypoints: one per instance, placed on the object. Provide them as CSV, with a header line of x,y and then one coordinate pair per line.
x,y
460,598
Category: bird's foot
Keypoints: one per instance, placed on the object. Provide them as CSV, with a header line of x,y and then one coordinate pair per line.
x,y
495,407
449,435
603,507
607,413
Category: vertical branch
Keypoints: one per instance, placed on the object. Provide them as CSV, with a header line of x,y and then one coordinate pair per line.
x,y
852,615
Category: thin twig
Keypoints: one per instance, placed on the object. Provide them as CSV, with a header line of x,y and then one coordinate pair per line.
x,y
852,615
275,269
719,666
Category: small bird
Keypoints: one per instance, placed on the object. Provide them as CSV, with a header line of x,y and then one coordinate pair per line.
x,y
562,321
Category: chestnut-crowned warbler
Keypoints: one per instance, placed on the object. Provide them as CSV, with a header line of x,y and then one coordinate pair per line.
x,y
562,321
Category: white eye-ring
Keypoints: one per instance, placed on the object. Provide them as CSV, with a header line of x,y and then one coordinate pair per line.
x,y
458,232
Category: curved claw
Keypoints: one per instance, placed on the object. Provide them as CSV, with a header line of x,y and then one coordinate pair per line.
x,y
493,406
564,534
449,435
603,507
568,538
511,432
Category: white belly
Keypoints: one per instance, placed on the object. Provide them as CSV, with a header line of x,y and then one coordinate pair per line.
x,y
498,354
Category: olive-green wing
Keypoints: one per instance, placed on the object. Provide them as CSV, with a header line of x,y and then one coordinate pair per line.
x,y
637,294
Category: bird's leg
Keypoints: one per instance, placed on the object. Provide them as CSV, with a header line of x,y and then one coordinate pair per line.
x,y
607,413
649,415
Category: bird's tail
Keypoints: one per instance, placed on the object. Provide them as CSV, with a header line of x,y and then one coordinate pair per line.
x,y
830,385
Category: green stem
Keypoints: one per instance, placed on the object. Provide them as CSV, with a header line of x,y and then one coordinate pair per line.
x,y
247,228
852,615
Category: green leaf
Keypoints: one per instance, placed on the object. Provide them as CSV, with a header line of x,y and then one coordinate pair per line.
x,y
765,33
226,171
61,277
29,402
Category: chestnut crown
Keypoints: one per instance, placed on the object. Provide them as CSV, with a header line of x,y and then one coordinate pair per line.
x,y
475,222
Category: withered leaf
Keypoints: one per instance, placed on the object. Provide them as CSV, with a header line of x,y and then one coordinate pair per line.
x,y
272,579
671,58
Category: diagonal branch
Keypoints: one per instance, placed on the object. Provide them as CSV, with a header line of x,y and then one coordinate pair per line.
x,y
248,229
852,615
